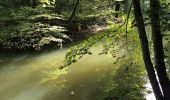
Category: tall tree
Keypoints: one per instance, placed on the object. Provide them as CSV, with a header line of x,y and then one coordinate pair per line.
x,y
74,11
145,50
158,48
117,8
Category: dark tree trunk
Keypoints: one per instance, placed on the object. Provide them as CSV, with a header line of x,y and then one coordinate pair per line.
x,y
58,6
145,50
33,3
26,3
74,12
158,49
117,8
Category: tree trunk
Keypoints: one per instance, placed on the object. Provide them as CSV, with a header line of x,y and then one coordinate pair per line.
x,y
117,8
33,3
58,6
145,50
74,12
158,49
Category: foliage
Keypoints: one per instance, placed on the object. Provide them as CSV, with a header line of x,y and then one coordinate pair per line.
x,y
36,17
35,23
25,28
165,16
126,84
83,48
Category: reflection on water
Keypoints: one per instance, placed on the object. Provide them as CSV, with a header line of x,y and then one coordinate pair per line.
x,y
36,77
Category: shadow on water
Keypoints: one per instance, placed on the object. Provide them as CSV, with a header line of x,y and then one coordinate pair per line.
x,y
36,77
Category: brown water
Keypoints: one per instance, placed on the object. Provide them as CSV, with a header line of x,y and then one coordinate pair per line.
x,y
36,77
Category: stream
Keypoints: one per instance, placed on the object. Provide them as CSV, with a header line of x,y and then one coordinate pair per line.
x,y
37,77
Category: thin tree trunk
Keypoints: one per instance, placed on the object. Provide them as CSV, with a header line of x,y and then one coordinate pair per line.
x,y
158,49
58,6
74,12
117,8
33,3
145,50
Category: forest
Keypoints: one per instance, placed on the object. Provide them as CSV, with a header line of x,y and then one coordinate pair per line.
x,y
84,50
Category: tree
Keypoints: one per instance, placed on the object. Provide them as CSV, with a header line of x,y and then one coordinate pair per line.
x,y
74,11
145,50
156,74
117,8
158,48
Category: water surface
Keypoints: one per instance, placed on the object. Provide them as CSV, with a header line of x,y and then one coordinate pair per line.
x,y
37,77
